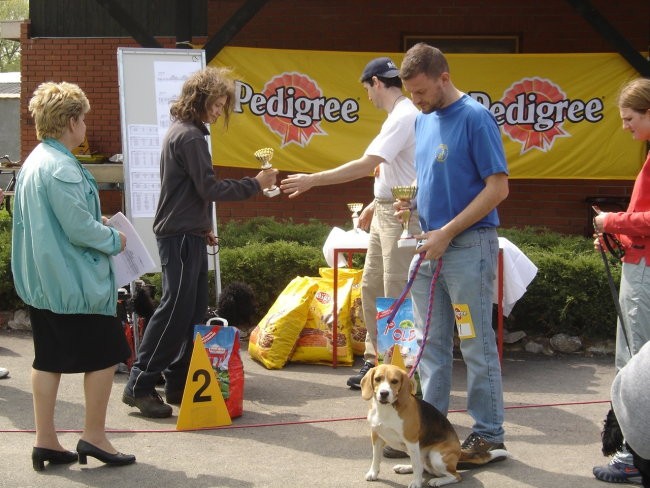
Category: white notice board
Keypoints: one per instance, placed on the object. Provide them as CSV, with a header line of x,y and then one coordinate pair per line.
x,y
149,79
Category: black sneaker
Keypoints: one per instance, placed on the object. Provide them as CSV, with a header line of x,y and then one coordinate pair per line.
x,y
618,472
354,382
151,406
475,444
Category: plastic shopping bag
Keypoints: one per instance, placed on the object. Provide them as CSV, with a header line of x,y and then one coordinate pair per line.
x,y
222,345
401,331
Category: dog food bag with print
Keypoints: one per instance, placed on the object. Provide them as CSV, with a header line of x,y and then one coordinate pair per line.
x,y
401,331
272,341
355,316
222,345
315,342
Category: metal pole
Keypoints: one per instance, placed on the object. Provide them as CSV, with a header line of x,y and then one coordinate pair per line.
x,y
134,320
617,304
215,258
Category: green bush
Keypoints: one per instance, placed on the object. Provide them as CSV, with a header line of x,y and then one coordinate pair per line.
x,y
8,298
569,294
530,239
268,268
234,234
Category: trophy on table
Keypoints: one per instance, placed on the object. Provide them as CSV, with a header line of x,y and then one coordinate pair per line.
x,y
264,156
354,208
405,194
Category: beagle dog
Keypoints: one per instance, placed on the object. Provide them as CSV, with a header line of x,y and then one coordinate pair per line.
x,y
404,422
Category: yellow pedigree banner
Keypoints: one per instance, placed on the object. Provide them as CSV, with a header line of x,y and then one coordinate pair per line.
x,y
557,112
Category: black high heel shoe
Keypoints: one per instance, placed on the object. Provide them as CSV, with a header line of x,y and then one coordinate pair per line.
x,y
41,454
85,449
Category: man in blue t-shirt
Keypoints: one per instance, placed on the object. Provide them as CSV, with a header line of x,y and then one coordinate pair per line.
x,y
461,176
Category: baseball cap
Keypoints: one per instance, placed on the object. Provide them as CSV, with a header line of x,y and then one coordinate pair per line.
x,y
384,67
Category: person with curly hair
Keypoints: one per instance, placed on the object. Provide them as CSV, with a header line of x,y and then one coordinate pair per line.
x,y
183,226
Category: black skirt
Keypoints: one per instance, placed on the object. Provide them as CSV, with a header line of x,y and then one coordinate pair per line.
x,y
76,343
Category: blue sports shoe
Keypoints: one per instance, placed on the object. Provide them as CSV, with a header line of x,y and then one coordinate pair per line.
x,y
618,472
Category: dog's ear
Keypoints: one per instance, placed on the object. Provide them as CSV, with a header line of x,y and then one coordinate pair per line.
x,y
406,389
612,437
367,389
414,384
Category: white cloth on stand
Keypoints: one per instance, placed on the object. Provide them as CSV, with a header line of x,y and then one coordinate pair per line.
x,y
341,239
518,272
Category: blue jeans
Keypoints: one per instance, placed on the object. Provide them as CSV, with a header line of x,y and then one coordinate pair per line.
x,y
467,279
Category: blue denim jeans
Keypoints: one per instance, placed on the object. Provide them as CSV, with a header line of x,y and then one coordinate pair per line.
x,y
466,279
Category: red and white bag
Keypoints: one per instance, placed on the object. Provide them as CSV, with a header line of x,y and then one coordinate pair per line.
x,y
221,342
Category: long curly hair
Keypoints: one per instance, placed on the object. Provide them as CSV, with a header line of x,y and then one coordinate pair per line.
x,y
200,90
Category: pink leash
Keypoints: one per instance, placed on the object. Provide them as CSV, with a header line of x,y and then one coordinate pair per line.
x,y
398,303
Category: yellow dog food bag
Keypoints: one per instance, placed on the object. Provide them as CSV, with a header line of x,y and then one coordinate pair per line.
x,y
274,338
355,316
315,342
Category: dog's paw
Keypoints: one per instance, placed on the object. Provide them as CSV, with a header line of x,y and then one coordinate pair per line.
x,y
442,481
372,475
403,468
415,484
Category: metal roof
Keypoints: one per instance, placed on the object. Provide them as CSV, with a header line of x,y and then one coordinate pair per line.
x,y
10,85
9,90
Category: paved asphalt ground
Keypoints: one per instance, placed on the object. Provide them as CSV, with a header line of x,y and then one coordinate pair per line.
x,y
303,427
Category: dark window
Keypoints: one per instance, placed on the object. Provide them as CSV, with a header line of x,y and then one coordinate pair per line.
x,y
87,18
466,44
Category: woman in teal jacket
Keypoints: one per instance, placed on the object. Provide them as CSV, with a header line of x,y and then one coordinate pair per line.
x,y
61,267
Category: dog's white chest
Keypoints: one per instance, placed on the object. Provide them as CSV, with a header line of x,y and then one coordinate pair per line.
x,y
383,419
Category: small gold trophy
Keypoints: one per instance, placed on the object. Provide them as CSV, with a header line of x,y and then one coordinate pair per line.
x,y
354,208
405,194
264,156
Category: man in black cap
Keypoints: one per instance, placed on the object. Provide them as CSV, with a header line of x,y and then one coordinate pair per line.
x,y
390,156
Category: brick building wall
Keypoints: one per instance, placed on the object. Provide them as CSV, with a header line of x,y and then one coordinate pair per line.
x,y
552,27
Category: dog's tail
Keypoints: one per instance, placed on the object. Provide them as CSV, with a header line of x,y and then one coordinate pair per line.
x,y
478,459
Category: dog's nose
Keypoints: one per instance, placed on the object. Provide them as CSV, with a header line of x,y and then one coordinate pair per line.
x,y
383,394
